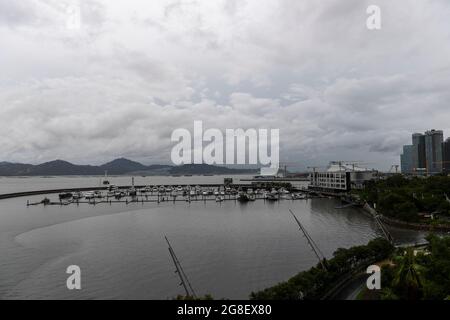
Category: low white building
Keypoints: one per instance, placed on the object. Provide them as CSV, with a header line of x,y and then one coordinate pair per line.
x,y
341,177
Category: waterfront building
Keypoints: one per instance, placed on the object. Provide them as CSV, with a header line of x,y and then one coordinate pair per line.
x,y
341,177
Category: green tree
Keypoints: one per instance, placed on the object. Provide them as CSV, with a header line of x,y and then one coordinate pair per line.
x,y
407,281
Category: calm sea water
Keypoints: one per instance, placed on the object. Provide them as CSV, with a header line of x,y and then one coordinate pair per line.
x,y
227,249
21,184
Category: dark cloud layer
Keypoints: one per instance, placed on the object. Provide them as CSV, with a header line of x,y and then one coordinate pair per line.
x,y
134,71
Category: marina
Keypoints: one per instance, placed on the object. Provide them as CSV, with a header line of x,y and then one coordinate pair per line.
x,y
240,230
160,194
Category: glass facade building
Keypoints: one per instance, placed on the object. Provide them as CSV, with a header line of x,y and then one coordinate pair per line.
x,y
433,151
419,154
446,156
427,154
407,159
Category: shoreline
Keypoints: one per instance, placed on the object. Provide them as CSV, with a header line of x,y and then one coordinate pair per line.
x,y
406,225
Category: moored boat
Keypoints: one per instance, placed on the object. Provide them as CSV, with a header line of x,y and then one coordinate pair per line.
x,y
243,197
65,195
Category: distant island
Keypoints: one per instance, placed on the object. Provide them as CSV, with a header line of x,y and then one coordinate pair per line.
x,y
117,167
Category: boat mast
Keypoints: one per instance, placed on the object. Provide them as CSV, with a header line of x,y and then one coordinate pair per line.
x,y
311,242
180,271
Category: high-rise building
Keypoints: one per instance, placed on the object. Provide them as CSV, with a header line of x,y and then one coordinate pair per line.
x,y
419,154
407,159
427,154
433,151
446,156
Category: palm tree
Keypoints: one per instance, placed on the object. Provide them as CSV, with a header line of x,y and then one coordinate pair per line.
x,y
408,279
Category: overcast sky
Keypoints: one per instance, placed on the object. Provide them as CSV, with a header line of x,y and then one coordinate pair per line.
x,y
136,70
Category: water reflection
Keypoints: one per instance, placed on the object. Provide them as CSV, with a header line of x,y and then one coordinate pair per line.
x,y
228,249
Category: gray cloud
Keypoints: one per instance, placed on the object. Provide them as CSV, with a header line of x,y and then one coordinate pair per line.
x,y
135,72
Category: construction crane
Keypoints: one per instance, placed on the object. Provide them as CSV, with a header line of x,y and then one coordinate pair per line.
x,y
394,166
285,165
181,274
311,242
315,167
341,164
353,163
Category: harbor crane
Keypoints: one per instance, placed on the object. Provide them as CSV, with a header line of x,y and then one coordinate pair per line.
x,y
181,274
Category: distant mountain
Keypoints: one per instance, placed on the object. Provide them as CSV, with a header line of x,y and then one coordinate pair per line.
x,y
60,168
121,166
7,169
116,167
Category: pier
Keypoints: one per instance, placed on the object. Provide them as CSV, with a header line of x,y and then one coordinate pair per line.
x,y
142,199
103,188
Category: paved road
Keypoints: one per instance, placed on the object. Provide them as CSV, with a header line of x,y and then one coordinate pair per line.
x,y
353,288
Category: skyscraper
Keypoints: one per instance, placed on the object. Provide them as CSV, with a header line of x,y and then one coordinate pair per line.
x,y
406,159
419,155
433,151
427,154
446,156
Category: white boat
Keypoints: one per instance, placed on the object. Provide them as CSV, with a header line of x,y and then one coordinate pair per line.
x,y
132,192
272,196
299,196
119,194
89,195
98,194
77,195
